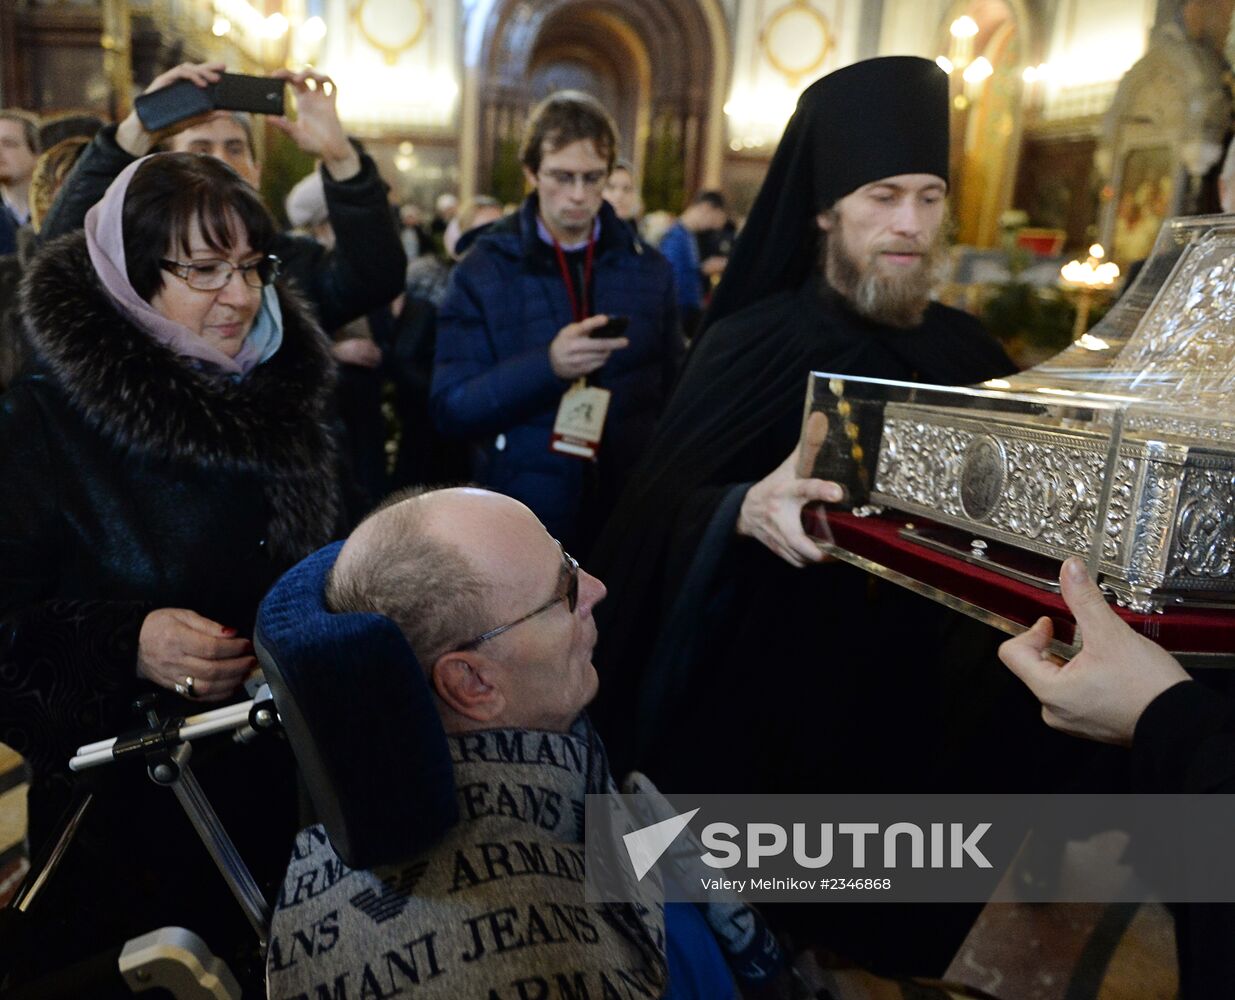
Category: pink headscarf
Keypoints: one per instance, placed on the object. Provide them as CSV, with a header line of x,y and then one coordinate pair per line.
x,y
105,241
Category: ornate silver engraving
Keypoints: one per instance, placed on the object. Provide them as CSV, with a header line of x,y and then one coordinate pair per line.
x,y
1155,512
1182,353
1170,521
1049,483
1205,526
1139,599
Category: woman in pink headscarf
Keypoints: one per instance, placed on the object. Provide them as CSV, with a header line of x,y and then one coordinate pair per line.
x,y
165,458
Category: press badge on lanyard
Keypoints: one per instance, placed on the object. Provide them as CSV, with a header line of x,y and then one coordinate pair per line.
x,y
580,420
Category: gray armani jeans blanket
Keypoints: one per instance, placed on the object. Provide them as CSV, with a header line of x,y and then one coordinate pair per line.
x,y
494,911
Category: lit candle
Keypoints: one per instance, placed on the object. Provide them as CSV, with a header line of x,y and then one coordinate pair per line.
x,y
1093,272
1087,277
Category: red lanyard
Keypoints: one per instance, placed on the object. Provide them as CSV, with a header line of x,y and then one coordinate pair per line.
x,y
579,303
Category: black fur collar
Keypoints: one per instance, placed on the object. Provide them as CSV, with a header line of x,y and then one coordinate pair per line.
x,y
141,397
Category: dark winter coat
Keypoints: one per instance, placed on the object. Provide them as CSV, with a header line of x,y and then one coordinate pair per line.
x,y
130,481
11,267
1185,744
493,383
689,601
9,227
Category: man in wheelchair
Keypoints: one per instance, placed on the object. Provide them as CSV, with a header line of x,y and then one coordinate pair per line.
x,y
476,890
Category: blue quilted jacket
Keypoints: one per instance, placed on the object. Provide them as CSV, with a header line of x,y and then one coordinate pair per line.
x,y
493,384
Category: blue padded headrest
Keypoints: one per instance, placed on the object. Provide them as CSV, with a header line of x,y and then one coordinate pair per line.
x,y
360,717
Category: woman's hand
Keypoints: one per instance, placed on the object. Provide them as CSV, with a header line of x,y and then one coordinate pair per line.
x,y
176,644
317,129
131,134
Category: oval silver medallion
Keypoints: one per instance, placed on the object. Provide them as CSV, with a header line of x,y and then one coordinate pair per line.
x,y
983,473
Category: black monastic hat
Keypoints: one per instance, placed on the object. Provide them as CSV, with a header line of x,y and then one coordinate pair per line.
x,y
873,119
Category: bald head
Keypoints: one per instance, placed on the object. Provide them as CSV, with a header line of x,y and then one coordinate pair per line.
x,y
409,562
496,612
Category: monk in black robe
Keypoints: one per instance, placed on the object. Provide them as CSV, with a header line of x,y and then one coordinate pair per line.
x,y
715,645
728,667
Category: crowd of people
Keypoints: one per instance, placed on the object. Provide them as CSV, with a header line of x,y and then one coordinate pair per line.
x,y
195,400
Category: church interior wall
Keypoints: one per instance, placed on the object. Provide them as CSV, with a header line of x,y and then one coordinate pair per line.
x,y
701,89
404,68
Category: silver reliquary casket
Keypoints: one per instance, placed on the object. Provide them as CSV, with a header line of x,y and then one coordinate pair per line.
x,y
1120,449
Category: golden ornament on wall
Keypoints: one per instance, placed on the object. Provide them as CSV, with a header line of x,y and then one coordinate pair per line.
x,y
796,40
391,26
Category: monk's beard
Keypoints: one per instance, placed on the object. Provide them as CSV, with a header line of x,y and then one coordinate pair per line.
x,y
893,298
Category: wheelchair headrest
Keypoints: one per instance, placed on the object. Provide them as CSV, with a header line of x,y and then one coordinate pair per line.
x,y
360,717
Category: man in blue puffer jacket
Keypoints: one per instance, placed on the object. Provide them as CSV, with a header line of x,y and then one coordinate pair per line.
x,y
530,317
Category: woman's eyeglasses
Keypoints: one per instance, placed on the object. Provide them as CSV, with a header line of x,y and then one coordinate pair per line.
x,y
211,275
570,568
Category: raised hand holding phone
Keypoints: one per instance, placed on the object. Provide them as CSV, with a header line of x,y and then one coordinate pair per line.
x,y
316,128
133,135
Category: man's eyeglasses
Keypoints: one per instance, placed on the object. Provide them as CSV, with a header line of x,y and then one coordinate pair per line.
x,y
569,178
211,275
570,569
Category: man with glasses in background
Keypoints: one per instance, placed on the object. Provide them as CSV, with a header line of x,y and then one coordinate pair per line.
x,y
558,338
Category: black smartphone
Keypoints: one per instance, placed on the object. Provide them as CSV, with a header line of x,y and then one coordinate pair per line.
x,y
260,95
184,99
173,103
614,328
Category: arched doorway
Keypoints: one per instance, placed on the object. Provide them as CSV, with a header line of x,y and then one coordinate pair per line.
x,y
594,51
660,66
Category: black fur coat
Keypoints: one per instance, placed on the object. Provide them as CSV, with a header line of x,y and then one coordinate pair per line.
x,y
146,402
130,481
